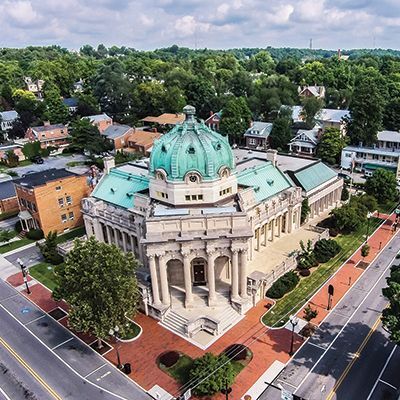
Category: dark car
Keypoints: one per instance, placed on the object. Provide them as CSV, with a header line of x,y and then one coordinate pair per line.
x,y
37,159
345,177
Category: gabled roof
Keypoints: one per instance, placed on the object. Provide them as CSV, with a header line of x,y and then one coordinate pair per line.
x,y
7,190
314,90
116,131
312,136
265,179
312,176
42,177
8,115
46,128
98,117
389,136
259,129
143,138
166,119
325,115
118,187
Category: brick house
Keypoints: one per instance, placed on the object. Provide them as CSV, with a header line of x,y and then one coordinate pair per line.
x,y
48,135
141,141
118,135
51,200
312,91
214,120
15,148
102,121
257,135
8,197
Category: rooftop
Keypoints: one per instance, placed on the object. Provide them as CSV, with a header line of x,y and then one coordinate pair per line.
x,y
70,102
166,119
8,115
116,131
7,190
143,138
325,115
46,128
389,136
98,117
42,177
259,128
374,150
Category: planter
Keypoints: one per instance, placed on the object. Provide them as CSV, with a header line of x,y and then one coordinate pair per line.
x,y
136,336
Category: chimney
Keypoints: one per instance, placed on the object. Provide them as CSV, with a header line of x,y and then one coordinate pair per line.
x,y
109,164
272,156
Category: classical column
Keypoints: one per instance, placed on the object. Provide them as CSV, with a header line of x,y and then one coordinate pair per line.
x,y
154,281
279,225
211,277
273,230
116,238
243,274
235,274
298,218
124,241
162,265
188,279
265,234
132,244
258,238
109,236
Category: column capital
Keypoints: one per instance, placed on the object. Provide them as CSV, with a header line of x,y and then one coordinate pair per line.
x,y
210,251
235,251
185,253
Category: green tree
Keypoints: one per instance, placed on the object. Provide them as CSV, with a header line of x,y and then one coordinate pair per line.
x,y
235,120
331,145
310,313
31,149
222,374
391,314
98,281
345,194
348,218
6,235
281,132
49,249
382,185
87,105
311,107
365,250
305,210
366,110
391,116
86,137
12,159
55,110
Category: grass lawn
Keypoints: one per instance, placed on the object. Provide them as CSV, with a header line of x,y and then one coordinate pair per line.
x,y
72,234
279,314
75,163
132,331
44,273
24,163
181,370
14,245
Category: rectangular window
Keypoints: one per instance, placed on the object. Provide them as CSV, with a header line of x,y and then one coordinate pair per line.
x,y
71,216
194,197
200,197
68,200
252,141
61,202
64,218
187,197
58,188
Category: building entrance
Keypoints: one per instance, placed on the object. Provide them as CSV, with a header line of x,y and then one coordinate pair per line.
x,y
199,273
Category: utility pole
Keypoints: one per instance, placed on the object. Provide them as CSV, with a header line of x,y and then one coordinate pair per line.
x,y
311,44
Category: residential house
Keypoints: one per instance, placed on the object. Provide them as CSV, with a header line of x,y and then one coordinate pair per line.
x,y
118,135
214,120
51,200
102,121
385,154
141,141
78,86
305,141
312,91
8,197
165,120
72,104
15,148
34,86
49,135
257,135
7,118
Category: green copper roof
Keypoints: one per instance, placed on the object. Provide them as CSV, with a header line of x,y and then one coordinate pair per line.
x,y
118,187
266,180
191,146
314,175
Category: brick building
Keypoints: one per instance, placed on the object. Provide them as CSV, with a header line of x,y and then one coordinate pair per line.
x,y
118,135
142,141
48,135
102,121
51,200
8,197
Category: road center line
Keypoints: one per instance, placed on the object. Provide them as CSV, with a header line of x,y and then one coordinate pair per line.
x,y
381,373
65,341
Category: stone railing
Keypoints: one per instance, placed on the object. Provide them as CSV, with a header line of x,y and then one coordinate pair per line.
x,y
64,248
204,323
122,220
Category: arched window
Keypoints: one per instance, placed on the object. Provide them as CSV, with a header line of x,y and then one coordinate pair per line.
x,y
191,150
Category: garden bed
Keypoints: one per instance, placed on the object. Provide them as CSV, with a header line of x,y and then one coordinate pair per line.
x,y
133,331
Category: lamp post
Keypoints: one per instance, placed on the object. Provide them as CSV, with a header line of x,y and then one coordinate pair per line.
x,y
25,274
369,215
294,321
114,332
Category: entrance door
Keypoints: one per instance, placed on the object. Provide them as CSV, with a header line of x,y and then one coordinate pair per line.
x,y
199,276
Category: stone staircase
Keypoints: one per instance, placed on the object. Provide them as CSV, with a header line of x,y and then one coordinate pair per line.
x,y
175,322
228,318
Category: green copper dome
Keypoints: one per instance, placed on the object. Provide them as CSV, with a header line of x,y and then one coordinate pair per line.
x,y
191,146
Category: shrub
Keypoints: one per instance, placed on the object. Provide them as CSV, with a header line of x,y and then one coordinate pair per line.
x,y
18,227
236,352
35,234
325,249
8,214
49,249
305,272
306,259
345,194
333,232
169,358
365,250
283,285
310,313
397,256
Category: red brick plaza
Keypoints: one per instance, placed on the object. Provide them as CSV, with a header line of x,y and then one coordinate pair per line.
x,y
266,344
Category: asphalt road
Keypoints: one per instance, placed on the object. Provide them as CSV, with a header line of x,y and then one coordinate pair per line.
x,y
48,362
30,256
350,356
9,223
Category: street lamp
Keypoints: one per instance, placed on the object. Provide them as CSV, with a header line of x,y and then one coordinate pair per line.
x,y
294,321
114,332
369,215
25,274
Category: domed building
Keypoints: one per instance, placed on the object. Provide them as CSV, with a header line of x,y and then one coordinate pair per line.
x,y
194,220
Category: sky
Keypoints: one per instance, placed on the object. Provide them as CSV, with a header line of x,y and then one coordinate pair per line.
x,y
150,24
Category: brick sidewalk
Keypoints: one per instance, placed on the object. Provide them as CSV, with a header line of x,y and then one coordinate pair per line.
x,y
266,345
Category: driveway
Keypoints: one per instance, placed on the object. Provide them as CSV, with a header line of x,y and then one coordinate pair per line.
x,y
54,162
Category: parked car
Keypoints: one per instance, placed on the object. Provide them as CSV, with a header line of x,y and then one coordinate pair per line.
x,y
368,174
345,177
37,159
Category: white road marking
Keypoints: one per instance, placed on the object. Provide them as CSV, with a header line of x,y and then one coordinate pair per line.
x,y
347,322
65,341
4,394
103,376
315,345
36,319
9,297
387,383
381,373
95,370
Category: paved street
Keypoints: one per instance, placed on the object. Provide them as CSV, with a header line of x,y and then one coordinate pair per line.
x,y
29,256
9,223
350,356
48,361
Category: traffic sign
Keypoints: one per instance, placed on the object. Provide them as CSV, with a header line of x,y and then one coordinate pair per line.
x,y
286,395
331,289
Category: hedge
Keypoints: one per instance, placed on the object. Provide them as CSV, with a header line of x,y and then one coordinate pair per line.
x,y
283,285
325,249
35,234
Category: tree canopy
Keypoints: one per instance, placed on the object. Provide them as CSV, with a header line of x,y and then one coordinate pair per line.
x,y
330,147
382,185
391,314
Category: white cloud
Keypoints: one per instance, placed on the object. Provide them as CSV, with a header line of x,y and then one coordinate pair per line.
x,y
21,12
